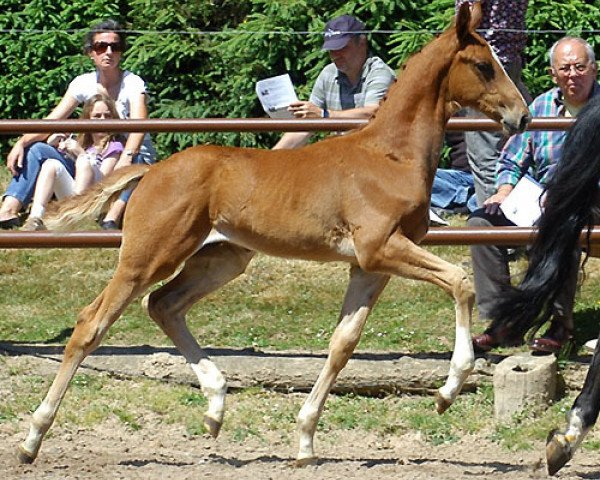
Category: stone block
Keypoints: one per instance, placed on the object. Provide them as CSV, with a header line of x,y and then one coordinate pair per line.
x,y
523,380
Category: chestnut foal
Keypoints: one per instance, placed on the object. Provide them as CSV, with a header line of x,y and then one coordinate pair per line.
x,y
362,198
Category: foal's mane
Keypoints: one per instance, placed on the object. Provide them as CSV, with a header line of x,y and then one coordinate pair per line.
x,y
410,68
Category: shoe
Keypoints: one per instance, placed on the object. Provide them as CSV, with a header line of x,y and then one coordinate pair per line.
x,y
484,343
555,338
34,224
109,225
547,345
10,223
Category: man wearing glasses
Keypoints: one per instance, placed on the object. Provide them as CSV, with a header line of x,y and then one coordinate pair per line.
x,y
574,70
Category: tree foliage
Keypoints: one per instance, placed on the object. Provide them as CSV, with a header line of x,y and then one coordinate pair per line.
x,y
202,58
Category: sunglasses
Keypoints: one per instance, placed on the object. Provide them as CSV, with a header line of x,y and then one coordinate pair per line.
x,y
102,47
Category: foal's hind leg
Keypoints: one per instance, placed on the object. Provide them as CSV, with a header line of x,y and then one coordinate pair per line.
x,y
400,256
207,270
362,293
92,324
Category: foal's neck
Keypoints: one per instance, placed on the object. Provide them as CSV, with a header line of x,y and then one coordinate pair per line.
x,y
412,119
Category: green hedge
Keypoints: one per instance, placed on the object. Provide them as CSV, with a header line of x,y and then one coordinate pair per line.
x,y
192,73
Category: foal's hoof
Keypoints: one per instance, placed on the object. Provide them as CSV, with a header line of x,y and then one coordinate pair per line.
x,y
441,403
212,425
305,462
558,452
24,457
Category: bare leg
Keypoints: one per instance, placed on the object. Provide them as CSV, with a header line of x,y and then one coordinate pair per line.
x,y
84,173
115,211
209,269
10,208
362,293
44,187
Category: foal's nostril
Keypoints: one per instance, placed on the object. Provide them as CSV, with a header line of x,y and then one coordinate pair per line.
x,y
525,119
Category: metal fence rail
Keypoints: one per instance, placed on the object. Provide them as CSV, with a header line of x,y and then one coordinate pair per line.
x,y
242,125
102,239
435,236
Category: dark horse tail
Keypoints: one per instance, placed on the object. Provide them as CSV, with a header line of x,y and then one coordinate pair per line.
x,y
570,196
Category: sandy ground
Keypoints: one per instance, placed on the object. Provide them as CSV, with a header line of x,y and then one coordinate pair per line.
x,y
111,450
160,452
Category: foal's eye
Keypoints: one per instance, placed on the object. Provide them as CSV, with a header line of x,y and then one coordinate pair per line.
x,y
486,69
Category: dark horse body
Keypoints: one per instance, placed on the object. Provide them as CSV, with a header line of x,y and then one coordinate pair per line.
x,y
571,197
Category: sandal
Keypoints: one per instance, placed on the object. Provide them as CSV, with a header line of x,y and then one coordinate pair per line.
x,y
10,223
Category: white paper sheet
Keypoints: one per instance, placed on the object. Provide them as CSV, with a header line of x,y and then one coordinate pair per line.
x,y
522,206
275,95
435,220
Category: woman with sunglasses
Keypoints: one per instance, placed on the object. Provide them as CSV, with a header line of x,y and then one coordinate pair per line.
x,y
96,155
104,44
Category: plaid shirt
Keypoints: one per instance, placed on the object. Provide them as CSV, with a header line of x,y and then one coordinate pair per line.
x,y
498,16
535,152
333,91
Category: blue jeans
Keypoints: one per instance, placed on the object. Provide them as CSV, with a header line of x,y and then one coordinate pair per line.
x,y
142,157
451,188
22,185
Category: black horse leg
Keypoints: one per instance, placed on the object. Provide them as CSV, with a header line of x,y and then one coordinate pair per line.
x,y
560,447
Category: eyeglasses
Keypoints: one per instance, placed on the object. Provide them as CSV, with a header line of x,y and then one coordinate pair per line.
x,y
102,47
577,68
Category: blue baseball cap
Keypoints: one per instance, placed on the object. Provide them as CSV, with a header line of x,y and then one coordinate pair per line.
x,y
340,30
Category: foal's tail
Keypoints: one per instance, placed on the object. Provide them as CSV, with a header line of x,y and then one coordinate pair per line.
x,y
72,211
570,196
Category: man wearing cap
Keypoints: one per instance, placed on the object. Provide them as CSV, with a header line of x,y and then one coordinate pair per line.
x,y
350,87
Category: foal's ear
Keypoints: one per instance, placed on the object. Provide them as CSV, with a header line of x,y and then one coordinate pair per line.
x,y
467,20
476,15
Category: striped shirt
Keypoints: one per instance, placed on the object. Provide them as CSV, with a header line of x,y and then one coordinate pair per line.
x,y
535,152
333,91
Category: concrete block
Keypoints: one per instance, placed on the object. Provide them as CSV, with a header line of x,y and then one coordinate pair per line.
x,y
522,380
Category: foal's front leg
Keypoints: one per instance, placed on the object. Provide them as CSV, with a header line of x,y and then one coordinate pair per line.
x,y
400,256
362,293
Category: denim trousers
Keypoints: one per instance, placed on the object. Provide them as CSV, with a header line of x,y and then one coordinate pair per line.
x,y
145,156
22,185
451,188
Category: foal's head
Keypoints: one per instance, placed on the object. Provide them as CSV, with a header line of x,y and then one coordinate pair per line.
x,y
478,80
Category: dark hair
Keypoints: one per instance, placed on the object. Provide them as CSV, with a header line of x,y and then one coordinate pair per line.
x,y
108,25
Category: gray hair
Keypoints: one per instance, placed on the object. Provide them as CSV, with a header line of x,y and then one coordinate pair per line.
x,y
588,48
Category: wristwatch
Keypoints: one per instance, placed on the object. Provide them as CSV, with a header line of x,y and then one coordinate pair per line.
x,y
128,152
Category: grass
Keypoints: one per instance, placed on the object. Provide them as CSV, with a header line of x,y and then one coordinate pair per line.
x,y
278,304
